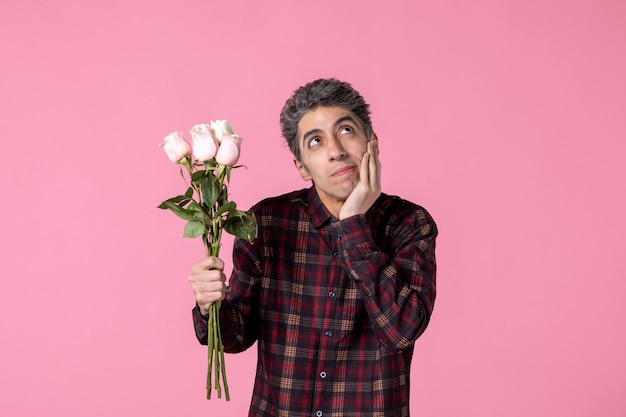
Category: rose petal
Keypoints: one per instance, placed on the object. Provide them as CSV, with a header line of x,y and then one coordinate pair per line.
x,y
176,147
228,152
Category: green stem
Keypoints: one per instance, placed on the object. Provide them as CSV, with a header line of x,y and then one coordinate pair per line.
x,y
210,356
216,363
216,360
221,350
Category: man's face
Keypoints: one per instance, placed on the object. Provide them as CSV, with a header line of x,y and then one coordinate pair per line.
x,y
332,142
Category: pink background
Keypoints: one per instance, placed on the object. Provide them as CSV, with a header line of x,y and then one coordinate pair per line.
x,y
505,119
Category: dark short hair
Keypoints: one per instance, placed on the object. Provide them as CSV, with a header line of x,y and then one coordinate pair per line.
x,y
327,92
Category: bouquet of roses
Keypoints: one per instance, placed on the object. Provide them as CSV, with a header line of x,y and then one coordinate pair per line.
x,y
207,210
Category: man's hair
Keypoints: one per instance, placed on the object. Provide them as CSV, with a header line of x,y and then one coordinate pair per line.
x,y
326,92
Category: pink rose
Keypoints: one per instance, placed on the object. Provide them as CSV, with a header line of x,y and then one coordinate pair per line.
x,y
176,147
204,144
220,128
228,152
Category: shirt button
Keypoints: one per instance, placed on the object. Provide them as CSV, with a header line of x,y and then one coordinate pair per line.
x,y
336,255
318,413
328,333
323,374
332,294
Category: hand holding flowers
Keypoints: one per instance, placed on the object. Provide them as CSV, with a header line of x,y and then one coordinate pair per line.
x,y
207,210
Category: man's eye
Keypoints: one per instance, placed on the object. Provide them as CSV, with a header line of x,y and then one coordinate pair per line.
x,y
314,142
346,129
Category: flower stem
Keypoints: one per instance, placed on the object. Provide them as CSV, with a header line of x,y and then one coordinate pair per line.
x,y
216,363
216,360
210,358
221,350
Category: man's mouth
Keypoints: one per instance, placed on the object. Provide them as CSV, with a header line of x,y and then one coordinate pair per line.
x,y
343,170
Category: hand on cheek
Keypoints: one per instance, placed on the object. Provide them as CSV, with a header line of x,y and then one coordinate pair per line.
x,y
368,188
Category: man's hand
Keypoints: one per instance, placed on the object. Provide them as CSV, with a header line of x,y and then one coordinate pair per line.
x,y
368,188
207,281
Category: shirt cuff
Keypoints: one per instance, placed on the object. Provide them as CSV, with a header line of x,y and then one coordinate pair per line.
x,y
200,324
354,237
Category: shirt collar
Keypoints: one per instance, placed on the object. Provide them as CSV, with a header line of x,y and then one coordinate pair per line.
x,y
319,214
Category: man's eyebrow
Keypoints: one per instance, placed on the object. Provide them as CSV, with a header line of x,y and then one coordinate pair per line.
x,y
310,133
346,118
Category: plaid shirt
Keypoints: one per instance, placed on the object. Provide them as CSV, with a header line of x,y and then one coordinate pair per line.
x,y
335,305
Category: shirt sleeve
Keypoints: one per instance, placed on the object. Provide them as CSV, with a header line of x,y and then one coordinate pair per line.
x,y
239,324
398,286
200,324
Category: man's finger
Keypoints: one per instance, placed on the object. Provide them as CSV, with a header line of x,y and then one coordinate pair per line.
x,y
210,262
364,174
374,165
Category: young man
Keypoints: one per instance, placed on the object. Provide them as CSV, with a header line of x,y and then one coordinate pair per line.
x,y
340,281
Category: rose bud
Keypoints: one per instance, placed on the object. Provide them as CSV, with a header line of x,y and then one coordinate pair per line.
x,y
220,128
176,147
204,144
228,152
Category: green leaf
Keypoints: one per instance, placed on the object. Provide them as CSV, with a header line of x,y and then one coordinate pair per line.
x,y
223,198
194,229
241,224
194,206
228,171
210,189
177,199
200,213
197,176
228,207
189,192
179,211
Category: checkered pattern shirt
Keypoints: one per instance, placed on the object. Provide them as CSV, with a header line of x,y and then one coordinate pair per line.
x,y
335,305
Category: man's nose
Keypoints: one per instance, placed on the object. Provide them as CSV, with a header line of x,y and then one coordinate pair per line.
x,y
335,149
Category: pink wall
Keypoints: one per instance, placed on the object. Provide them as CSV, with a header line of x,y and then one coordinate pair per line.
x,y
504,118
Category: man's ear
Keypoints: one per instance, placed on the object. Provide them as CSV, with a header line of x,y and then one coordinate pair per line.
x,y
302,170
